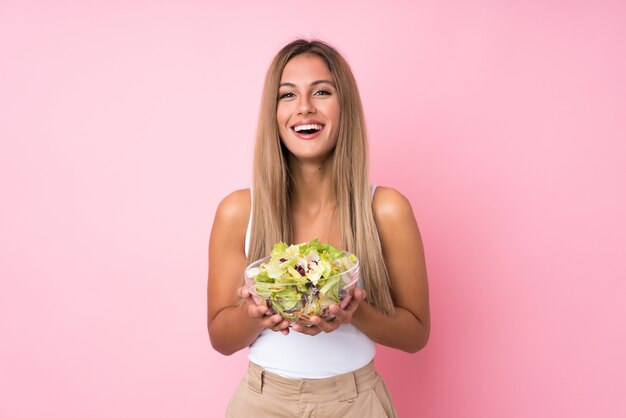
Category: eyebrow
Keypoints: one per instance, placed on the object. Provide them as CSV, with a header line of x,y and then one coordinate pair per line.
x,y
315,83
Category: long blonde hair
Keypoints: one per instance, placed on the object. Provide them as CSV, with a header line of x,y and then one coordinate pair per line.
x,y
272,182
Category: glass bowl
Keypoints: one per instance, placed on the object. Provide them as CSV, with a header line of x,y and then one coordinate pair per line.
x,y
298,302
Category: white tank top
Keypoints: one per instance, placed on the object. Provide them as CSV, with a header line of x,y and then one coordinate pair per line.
x,y
300,356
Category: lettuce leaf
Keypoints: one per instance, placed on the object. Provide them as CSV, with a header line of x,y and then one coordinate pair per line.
x,y
303,280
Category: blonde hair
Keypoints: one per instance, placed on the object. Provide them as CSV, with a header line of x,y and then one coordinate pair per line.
x,y
272,182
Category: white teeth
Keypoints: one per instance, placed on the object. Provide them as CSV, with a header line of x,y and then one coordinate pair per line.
x,y
315,126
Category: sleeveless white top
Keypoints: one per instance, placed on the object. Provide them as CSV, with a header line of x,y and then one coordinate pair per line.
x,y
300,356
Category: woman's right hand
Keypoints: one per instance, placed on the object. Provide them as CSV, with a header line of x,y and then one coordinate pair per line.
x,y
274,322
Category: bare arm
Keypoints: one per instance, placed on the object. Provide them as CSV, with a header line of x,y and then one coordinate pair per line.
x,y
233,325
408,329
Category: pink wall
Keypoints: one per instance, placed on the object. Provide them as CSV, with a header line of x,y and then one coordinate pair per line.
x,y
123,124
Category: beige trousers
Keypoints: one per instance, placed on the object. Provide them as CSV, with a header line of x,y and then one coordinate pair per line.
x,y
361,394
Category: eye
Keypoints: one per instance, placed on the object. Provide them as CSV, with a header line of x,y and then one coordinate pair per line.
x,y
322,93
286,95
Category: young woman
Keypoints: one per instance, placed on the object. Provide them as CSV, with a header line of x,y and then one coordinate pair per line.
x,y
311,181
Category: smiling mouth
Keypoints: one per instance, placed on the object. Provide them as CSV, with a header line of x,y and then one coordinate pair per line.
x,y
308,129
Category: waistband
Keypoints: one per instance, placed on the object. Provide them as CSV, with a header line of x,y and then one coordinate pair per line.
x,y
342,387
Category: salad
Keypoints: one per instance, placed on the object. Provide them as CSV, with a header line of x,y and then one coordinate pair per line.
x,y
302,280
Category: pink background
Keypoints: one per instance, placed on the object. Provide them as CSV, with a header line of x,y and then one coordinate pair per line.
x,y
124,123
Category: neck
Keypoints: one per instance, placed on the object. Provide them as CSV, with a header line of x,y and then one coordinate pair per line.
x,y
312,185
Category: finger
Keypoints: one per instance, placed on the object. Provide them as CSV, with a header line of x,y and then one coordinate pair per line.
x,y
326,326
359,294
258,311
313,330
243,292
357,297
344,315
344,303
271,321
281,325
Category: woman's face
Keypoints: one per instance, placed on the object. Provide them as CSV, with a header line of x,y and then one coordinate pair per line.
x,y
308,108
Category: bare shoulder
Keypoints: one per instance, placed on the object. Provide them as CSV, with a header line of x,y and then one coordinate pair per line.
x,y
389,205
234,208
231,221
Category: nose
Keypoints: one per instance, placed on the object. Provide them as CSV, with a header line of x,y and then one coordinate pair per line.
x,y
305,106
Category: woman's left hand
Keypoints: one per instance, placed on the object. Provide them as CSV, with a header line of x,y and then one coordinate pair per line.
x,y
315,325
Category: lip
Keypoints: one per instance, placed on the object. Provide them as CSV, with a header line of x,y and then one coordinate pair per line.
x,y
307,122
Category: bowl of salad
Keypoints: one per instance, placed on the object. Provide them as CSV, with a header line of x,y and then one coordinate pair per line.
x,y
303,280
